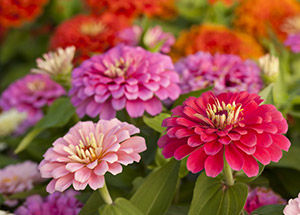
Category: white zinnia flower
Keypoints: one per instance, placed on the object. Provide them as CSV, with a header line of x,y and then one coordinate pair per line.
x,y
10,120
269,65
5,213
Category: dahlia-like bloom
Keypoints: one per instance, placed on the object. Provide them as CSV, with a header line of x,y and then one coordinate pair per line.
x,y
257,16
5,213
124,76
56,203
10,120
262,196
224,72
88,151
153,38
89,34
293,207
269,65
18,178
225,2
14,13
30,94
58,63
230,127
215,39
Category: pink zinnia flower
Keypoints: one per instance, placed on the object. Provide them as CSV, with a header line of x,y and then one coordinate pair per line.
x,y
123,77
153,37
88,151
18,177
226,72
293,41
262,196
56,203
293,207
30,94
230,124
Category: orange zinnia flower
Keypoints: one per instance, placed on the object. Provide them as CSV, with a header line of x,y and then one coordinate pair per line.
x,y
215,39
257,16
14,13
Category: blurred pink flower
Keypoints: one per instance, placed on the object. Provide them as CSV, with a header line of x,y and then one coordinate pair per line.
x,y
30,94
153,37
223,71
230,126
88,151
54,204
293,207
18,177
262,196
124,76
293,41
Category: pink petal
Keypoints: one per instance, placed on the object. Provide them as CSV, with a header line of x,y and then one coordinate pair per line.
x,y
250,166
135,143
214,164
96,182
51,186
194,141
281,141
64,182
101,169
153,106
78,185
110,157
183,151
195,162
212,148
82,175
262,155
234,157
72,167
115,168
135,108
275,153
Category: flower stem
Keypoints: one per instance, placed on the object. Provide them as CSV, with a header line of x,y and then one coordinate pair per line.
x,y
228,174
105,195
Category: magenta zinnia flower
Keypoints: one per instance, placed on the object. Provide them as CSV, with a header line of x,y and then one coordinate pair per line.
x,y
88,151
293,41
293,207
17,178
262,196
56,203
226,72
30,94
123,77
230,124
153,37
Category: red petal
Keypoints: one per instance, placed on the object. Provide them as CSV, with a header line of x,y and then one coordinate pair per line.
x,y
194,141
246,149
183,151
212,148
281,141
214,164
262,155
275,153
249,139
170,148
264,140
250,166
195,162
234,157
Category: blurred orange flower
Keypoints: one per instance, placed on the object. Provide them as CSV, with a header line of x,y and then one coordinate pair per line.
x,y
215,39
256,16
226,2
14,13
89,34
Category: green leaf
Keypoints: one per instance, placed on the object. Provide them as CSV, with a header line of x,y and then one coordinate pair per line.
x,y
290,159
242,177
155,195
59,114
120,207
155,122
267,94
92,205
6,160
39,189
183,97
269,209
1,199
212,197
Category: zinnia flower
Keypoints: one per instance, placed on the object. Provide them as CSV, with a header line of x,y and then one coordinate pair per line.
x,y
56,203
215,39
58,63
269,65
225,2
10,121
153,37
123,77
293,41
262,196
89,34
225,72
88,151
257,16
230,126
30,94
293,207
14,13
18,177
5,213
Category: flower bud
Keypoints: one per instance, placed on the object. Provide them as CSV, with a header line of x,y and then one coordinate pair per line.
x,y
269,65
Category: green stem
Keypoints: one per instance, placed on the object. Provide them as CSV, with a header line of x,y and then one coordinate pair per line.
x,y
228,174
105,195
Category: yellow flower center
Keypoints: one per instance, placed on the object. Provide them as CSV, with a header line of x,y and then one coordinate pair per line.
x,y
88,150
92,28
36,85
118,69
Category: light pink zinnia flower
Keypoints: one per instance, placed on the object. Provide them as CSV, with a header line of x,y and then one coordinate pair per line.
x,y
230,126
18,177
30,94
261,196
88,151
124,76
153,37
293,207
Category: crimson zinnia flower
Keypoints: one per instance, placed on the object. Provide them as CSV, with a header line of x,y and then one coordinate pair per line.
x,y
234,124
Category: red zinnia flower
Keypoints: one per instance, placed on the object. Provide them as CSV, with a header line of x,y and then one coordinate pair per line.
x,y
89,34
14,13
234,124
